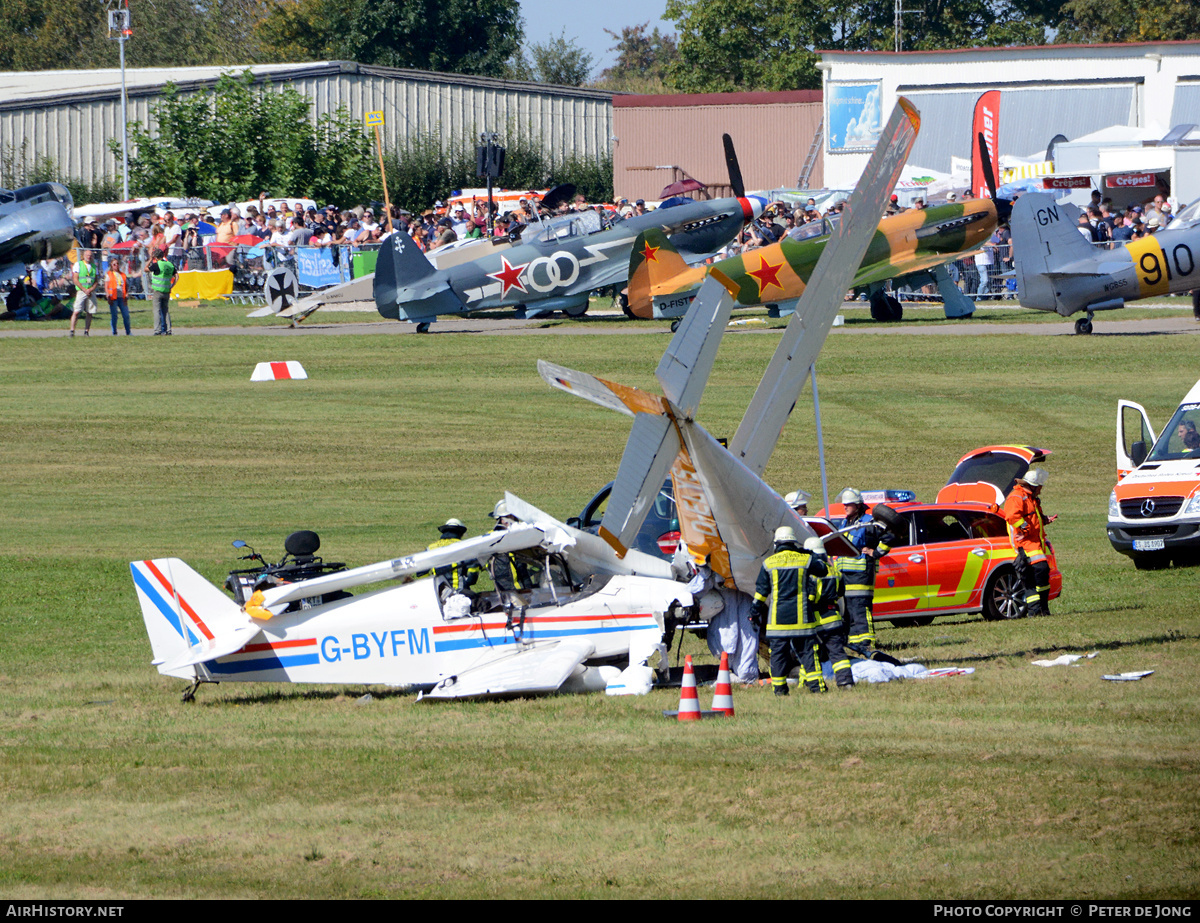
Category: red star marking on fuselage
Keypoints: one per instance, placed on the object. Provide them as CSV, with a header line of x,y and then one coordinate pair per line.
x,y
767,275
509,276
650,254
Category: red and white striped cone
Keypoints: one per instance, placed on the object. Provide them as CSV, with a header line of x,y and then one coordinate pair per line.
x,y
689,702
723,697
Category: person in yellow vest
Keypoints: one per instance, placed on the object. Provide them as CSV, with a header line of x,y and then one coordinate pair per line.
x,y
116,289
87,278
161,274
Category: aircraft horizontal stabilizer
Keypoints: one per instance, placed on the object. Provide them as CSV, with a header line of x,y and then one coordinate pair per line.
x,y
515,539
524,671
605,393
221,646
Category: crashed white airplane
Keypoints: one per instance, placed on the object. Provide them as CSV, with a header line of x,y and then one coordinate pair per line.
x,y
590,611
598,603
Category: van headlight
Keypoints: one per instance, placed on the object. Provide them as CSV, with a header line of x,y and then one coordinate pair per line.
x,y
1114,508
1192,507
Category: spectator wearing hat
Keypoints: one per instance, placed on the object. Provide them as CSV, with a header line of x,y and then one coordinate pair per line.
x,y
446,234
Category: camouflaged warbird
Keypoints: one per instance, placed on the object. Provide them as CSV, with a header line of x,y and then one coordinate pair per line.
x,y
556,264
662,285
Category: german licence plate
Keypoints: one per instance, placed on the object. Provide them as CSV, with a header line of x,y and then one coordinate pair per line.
x,y
1149,544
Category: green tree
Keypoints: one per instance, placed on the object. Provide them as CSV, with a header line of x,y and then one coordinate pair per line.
x,y
727,45
305,30
643,59
1090,22
460,36
239,140
53,34
561,62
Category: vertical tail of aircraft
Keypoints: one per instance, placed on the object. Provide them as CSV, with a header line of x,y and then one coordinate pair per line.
x,y
658,274
1046,241
409,287
187,618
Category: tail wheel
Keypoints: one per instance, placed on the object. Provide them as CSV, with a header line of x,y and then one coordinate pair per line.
x,y
623,304
1004,597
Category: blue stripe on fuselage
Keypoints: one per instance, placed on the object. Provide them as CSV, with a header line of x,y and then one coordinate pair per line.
x,y
532,634
262,663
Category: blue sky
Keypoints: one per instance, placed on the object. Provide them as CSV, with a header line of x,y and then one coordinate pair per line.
x,y
586,20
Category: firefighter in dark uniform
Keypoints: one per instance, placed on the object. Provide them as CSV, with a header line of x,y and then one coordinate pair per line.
x,y
858,572
785,598
510,573
460,576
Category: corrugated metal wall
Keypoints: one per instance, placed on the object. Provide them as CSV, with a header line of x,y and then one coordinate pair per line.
x,y
75,128
1029,118
772,141
1186,108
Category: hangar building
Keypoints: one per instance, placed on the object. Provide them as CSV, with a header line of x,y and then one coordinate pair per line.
x,y
71,116
663,139
1045,90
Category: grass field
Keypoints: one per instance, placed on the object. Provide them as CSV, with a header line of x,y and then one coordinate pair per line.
x,y
222,313
1013,782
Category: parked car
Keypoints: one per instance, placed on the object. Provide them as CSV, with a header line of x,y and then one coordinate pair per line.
x,y
954,555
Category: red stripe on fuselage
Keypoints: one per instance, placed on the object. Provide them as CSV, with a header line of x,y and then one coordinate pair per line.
x,y
276,645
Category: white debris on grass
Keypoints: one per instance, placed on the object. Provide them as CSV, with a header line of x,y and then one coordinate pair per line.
x,y
1127,677
1065,660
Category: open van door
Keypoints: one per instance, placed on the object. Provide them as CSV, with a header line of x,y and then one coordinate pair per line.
x,y
1135,436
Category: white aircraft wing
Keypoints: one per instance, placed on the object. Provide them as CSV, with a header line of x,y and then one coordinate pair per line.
x,y
513,672
805,334
745,511
688,361
515,539
587,553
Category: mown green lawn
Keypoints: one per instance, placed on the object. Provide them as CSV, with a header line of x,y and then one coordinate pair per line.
x,y
1015,781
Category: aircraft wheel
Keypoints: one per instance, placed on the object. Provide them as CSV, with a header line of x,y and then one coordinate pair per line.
x,y
674,325
885,307
423,328
576,310
1083,326
1196,303
623,304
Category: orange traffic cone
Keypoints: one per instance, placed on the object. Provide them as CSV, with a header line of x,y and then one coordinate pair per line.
x,y
723,697
689,703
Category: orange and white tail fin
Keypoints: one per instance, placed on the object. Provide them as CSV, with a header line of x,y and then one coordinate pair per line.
x,y
661,284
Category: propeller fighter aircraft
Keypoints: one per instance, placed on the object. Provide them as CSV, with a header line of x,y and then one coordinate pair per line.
x,y
662,285
36,223
1058,270
555,265
914,246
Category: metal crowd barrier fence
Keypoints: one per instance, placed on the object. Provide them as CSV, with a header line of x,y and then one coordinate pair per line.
x,y
315,267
